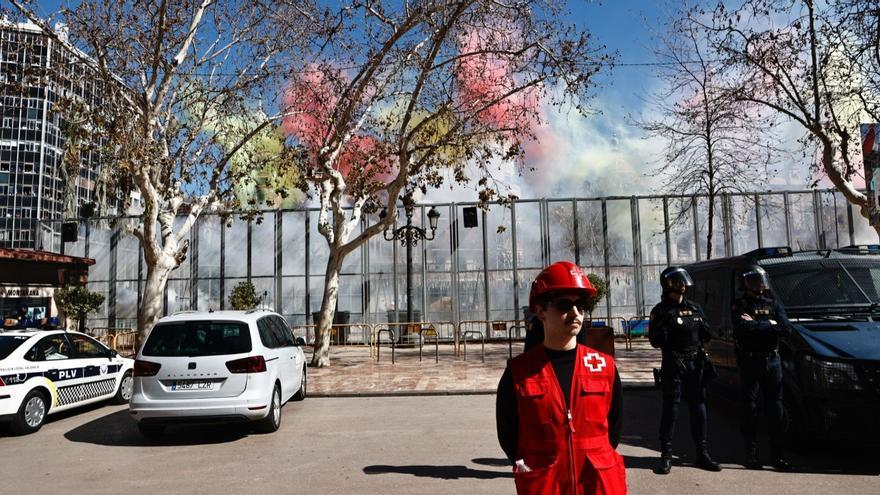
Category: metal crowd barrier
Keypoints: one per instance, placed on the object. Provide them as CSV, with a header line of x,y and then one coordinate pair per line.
x,y
122,340
378,342
464,336
126,343
407,332
341,334
510,340
472,326
433,331
308,331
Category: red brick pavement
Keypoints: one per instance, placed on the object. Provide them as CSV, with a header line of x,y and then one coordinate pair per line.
x,y
353,372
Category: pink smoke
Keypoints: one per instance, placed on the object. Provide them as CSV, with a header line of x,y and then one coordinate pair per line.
x,y
311,99
485,77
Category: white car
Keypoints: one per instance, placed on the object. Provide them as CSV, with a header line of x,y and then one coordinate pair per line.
x,y
223,366
45,372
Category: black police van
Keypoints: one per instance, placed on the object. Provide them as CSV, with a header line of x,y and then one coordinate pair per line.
x,y
831,362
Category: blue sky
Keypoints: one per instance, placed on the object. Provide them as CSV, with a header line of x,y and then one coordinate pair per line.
x,y
603,154
618,24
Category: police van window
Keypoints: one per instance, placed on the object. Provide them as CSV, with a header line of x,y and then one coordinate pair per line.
x,y
9,343
51,348
716,300
697,293
87,348
828,282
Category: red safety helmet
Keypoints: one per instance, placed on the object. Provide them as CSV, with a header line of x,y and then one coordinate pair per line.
x,y
562,275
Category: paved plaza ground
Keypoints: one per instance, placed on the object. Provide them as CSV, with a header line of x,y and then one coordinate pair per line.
x,y
395,445
354,372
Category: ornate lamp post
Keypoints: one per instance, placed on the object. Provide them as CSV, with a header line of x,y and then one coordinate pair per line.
x,y
409,235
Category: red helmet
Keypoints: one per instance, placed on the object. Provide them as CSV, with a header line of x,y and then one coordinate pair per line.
x,y
562,275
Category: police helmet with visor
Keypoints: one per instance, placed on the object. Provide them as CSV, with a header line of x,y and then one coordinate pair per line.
x,y
675,279
755,279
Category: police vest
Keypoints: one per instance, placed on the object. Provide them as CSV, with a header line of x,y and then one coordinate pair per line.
x,y
567,450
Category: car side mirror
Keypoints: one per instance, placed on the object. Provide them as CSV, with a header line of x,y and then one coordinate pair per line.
x,y
113,353
300,341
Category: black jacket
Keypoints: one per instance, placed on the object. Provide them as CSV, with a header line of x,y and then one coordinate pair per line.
x,y
678,326
759,335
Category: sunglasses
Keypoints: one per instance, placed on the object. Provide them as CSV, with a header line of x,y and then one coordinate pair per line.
x,y
565,305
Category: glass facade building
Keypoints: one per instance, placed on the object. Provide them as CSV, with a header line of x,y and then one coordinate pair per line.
x,y
37,181
480,273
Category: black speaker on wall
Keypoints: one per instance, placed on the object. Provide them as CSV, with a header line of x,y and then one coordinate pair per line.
x,y
69,231
470,216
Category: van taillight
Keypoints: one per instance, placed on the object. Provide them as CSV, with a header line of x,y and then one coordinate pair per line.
x,y
253,364
145,368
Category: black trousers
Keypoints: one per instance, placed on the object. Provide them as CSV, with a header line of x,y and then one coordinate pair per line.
x,y
761,376
688,380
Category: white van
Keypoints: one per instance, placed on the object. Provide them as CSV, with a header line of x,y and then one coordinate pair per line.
x,y
224,366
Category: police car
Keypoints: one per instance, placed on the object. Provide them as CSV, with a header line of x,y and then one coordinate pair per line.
x,y
44,372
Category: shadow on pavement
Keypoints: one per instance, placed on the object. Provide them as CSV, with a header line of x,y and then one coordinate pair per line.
x,y
4,427
119,430
440,472
642,421
486,461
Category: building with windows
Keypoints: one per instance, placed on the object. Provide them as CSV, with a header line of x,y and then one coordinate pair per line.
x,y
38,182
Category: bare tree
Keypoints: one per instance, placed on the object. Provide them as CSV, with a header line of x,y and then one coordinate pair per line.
x,y
795,58
856,29
184,87
415,94
714,144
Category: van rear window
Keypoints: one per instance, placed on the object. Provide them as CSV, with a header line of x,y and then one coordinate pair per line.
x,y
198,338
9,343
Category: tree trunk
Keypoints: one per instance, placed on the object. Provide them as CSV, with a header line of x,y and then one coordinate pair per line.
x,y
842,184
711,225
154,295
321,356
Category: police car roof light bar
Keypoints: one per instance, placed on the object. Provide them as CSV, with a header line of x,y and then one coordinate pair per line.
x,y
861,249
769,252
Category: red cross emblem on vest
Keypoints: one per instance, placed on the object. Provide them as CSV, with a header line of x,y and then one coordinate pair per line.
x,y
594,361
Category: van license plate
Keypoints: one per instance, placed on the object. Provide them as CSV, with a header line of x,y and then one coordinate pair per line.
x,y
192,385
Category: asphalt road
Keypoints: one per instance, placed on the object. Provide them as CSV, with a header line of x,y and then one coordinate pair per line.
x,y
398,445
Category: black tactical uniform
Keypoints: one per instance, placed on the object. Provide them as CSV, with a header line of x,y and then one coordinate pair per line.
x,y
757,344
679,329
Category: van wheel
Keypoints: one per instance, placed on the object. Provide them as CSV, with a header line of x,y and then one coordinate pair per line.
x,y
272,421
303,387
123,394
151,430
32,413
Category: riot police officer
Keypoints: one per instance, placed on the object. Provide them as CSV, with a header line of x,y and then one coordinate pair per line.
x,y
679,329
758,323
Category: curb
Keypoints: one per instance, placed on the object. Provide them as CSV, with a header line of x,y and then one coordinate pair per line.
x,y
435,393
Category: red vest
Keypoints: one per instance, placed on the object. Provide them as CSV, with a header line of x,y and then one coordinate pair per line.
x,y
568,452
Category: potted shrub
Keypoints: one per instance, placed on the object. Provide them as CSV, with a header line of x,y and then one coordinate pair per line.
x,y
601,291
598,336
244,296
77,301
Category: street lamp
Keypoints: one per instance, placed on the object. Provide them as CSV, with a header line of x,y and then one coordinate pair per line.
x,y
409,235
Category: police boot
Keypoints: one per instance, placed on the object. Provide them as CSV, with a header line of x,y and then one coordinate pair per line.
x,y
779,463
665,464
705,462
752,459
